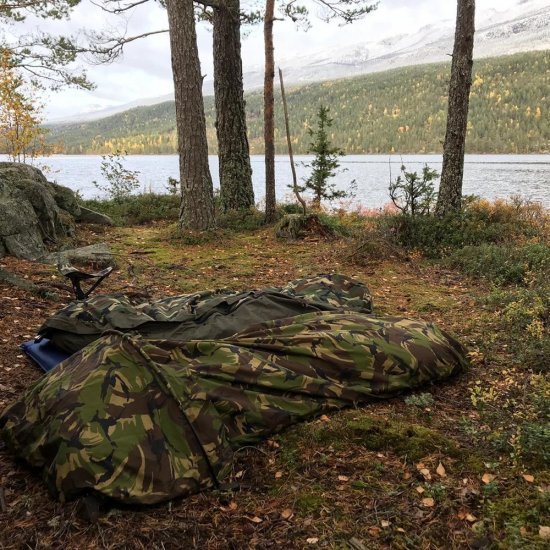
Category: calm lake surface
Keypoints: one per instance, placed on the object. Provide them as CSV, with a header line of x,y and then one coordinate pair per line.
x,y
489,176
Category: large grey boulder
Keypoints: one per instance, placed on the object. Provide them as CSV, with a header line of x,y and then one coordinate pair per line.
x,y
30,215
48,213
65,198
12,172
20,233
99,254
35,212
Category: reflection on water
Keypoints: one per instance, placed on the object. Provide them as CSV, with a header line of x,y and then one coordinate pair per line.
x,y
489,176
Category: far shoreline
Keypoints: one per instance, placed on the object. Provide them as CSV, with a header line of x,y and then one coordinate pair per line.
x,y
283,155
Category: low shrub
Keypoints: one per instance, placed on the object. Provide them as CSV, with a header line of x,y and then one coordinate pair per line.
x,y
433,236
241,220
480,222
524,315
414,194
138,209
120,182
338,225
420,400
535,443
369,245
501,264
289,208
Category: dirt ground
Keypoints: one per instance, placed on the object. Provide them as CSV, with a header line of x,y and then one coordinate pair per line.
x,y
418,471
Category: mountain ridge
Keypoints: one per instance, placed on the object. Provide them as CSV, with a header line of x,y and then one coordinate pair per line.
x,y
401,110
498,34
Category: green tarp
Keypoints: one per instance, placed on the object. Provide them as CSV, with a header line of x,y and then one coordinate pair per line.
x,y
143,421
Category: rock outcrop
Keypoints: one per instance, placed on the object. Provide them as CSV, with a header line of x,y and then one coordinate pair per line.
x,y
98,254
29,213
33,211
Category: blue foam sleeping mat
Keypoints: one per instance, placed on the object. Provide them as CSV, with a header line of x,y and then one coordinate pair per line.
x,y
44,353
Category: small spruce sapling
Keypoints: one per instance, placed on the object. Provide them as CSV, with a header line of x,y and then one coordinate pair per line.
x,y
325,165
414,195
121,182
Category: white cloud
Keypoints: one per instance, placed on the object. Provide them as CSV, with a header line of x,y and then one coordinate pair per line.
x,y
145,69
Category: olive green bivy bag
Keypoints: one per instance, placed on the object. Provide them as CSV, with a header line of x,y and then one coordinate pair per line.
x,y
208,315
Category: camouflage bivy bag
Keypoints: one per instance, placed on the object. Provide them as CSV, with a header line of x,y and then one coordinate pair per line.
x,y
143,421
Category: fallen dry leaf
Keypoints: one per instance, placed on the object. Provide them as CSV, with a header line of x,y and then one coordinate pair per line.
x,y
407,475
312,540
420,489
385,523
231,508
278,475
544,531
287,513
374,531
487,478
529,478
463,514
255,519
324,418
441,470
426,474
343,478
428,502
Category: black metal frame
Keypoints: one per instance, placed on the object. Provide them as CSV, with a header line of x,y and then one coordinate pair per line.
x,y
76,277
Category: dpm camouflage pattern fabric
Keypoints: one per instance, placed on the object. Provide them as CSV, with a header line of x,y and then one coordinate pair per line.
x,y
145,421
203,315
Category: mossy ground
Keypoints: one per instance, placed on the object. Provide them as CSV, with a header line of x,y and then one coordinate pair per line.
x,y
446,471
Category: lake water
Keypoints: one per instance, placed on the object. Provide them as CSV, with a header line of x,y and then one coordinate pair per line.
x,y
489,176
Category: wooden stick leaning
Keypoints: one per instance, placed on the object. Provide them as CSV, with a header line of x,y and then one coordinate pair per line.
x,y
289,143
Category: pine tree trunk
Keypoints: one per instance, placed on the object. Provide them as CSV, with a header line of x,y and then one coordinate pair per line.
x,y
450,189
233,151
197,204
269,123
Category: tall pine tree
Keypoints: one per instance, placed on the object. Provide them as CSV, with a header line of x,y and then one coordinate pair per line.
x,y
450,189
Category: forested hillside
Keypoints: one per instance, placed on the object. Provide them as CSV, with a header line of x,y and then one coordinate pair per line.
x,y
402,110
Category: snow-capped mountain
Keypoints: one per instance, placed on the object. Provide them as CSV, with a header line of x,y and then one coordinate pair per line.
x,y
525,27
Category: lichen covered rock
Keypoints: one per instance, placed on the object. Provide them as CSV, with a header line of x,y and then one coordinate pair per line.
x,y
33,211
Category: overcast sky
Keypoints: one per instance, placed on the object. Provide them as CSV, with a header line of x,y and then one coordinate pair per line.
x,y
145,70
